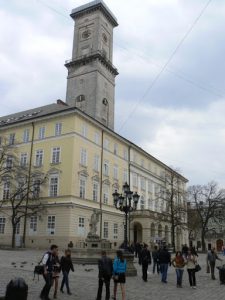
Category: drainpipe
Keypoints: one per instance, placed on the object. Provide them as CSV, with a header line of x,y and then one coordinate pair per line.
x,y
129,185
101,177
28,186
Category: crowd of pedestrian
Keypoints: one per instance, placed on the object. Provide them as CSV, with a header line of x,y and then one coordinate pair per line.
x,y
115,270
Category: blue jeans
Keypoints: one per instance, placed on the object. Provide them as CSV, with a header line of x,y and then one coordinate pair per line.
x,y
65,281
179,273
163,270
155,265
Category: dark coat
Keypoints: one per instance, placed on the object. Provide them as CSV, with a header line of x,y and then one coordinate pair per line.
x,y
164,256
66,264
145,257
105,267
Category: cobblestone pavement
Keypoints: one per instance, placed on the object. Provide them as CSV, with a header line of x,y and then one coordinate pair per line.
x,y
84,280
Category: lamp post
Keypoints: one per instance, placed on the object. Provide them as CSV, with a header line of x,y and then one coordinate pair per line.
x,y
126,202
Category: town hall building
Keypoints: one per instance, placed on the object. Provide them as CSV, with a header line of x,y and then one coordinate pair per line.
x,y
86,160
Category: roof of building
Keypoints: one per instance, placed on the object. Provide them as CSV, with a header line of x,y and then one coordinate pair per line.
x,y
96,4
60,107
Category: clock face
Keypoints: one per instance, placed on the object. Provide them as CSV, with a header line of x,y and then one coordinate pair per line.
x,y
86,34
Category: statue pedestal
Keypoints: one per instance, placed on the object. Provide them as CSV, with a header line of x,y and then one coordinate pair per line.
x,y
131,270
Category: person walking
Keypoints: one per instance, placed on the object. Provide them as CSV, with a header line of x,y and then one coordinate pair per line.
x,y
47,262
191,261
145,261
119,273
55,274
105,268
164,261
155,258
211,260
179,263
66,265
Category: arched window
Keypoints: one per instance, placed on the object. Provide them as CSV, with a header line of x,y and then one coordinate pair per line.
x,y
80,98
105,101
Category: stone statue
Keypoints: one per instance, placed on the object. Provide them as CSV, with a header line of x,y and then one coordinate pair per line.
x,y
93,222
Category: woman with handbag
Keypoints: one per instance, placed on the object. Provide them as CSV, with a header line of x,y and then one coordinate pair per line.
x,y
119,273
191,264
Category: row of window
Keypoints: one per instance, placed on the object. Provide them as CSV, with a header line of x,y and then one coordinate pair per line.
x,y
9,188
27,134
51,226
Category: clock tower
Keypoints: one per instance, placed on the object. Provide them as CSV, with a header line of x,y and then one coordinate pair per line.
x,y
91,74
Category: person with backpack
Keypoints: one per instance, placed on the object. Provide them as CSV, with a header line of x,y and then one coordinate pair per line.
x,y
105,267
66,266
145,261
164,261
55,274
48,262
119,273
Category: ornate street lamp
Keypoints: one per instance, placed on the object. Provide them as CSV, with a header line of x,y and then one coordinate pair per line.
x,y
126,202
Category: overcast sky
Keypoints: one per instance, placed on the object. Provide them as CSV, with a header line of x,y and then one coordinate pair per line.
x,y
170,93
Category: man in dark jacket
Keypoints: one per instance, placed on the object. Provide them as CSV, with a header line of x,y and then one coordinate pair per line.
x,y
155,258
164,261
105,267
145,261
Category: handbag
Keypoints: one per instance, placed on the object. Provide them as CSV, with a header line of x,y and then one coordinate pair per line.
x,y
197,268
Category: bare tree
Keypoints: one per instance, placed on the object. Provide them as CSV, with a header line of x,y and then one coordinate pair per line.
x,y
20,185
206,203
173,193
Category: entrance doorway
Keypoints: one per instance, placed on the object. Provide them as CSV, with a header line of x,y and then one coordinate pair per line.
x,y
137,232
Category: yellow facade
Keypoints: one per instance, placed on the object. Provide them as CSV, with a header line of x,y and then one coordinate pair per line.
x,y
90,157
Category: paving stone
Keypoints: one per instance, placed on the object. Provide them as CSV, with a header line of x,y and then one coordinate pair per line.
x,y
20,263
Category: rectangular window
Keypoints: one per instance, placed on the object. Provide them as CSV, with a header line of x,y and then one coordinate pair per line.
x,y
125,153
36,188
84,130
53,186
142,203
23,159
106,168
33,224
21,188
26,135
55,155
39,158
58,129
143,183
2,225
125,175
83,157
106,230
115,172
135,180
116,149
18,228
95,191
81,227
9,162
96,138
106,144
82,187
115,231
41,133
106,194
150,186
96,162
12,139
6,190
51,225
